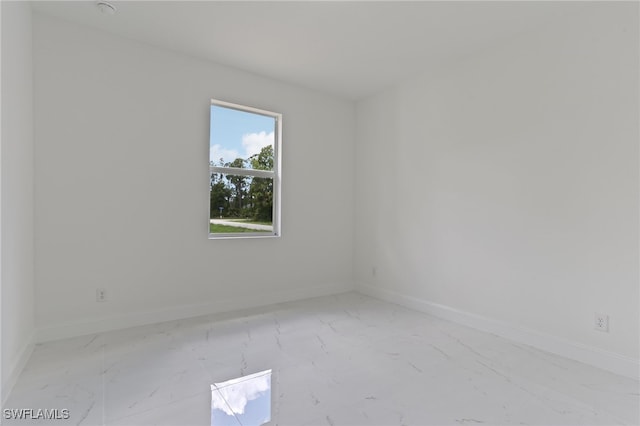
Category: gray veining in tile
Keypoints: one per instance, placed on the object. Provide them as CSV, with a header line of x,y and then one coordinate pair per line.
x,y
337,360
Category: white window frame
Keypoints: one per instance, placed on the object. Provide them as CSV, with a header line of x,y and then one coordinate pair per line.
x,y
276,174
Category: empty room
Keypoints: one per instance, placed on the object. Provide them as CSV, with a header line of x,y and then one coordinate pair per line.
x,y
320,213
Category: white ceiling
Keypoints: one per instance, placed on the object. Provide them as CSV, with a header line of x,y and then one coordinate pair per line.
x,y
349,49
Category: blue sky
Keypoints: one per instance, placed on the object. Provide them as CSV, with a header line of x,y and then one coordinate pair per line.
x,y
238,134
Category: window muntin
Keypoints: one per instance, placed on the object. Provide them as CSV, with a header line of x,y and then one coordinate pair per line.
x,y
244,171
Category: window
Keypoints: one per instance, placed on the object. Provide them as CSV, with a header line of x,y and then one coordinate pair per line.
x,y
244,171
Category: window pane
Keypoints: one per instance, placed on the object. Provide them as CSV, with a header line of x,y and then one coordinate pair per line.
x,y
241,139
244,169
240,204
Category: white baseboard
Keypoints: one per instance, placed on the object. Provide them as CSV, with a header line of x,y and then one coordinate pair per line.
x,y
615,363
9,380
116,322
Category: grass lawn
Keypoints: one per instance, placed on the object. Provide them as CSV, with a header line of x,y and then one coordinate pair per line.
x,y
225,229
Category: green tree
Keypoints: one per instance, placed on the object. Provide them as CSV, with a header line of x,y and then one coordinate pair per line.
x,y
261,189
239,186
219,194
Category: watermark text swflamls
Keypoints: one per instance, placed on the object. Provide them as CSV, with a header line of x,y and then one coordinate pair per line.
x,y
35,414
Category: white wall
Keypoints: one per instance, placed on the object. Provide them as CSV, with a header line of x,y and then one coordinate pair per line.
x,y
507,186
122,186
17,246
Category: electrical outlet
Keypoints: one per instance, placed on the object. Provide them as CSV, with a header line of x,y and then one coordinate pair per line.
x,y
602,322
101,295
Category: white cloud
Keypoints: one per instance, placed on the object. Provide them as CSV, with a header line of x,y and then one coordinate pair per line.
x,y
254,142
216,152
234,395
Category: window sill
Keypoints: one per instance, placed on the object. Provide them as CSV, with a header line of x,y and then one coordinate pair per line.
x,y
244,235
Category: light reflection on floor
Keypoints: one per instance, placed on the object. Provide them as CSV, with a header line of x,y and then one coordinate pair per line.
x,y
242,401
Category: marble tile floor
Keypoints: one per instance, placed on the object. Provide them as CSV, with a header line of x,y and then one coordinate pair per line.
x,y
337,360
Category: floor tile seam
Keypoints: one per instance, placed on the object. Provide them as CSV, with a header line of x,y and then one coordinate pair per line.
x,y
156,406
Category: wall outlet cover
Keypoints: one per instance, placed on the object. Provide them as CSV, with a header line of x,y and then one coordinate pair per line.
x,y
601,322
